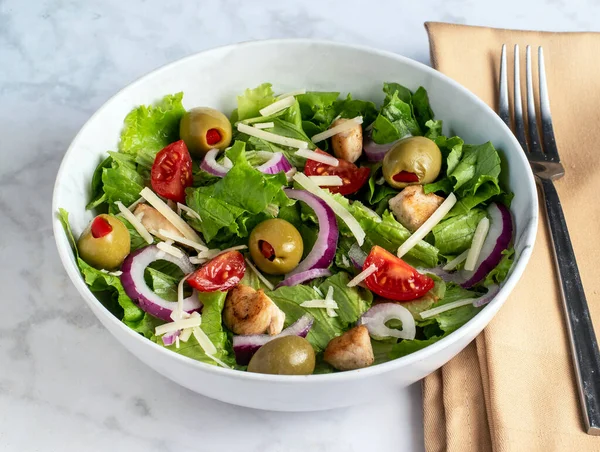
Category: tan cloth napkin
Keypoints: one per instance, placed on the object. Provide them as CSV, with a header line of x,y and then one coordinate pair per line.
x,y
513,389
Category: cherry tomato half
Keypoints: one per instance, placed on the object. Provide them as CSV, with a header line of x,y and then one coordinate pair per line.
x,y
394,278
220,273
352,176
172,172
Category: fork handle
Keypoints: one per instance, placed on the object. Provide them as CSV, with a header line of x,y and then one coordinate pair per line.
x,y
584,345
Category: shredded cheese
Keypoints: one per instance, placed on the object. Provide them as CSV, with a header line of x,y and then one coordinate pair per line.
x,y
176,341
189,212
198,260
478,238
317,157
329,297
339,210
180,310
185,335
135,222
340,128
327,181
277,106
170,215
318,291
290,174
180,324
429,224
264,125
362,275
168,248
292,93
271,137
446,307
319,304
204,341
178,239
456,261
264,280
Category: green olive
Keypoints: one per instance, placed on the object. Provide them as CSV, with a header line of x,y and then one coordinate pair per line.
x,y
276,246
414,160
288,355
105,242
204,129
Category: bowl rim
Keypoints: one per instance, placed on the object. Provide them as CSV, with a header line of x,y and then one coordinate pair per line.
x,y
528,234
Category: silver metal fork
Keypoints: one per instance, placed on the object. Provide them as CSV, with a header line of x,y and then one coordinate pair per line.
x,y
546,166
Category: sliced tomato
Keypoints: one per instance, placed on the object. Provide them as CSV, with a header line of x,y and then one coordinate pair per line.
x,y
172,172
352,176
394,278
220,273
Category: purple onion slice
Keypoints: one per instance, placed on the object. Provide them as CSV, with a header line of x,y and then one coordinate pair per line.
x,y
322,253
136,288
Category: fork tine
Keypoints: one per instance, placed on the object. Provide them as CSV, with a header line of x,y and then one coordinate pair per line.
x,y
534,137
547,129
518,103
503,108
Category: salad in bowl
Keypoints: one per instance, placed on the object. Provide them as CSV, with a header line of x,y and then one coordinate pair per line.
x,y
304,232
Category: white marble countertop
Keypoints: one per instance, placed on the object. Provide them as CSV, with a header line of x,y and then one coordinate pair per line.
x,y
65,383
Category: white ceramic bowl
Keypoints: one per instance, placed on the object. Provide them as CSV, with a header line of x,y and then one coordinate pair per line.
x,y
214,78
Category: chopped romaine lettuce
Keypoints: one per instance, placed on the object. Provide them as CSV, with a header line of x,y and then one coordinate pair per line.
x,y
254,100
500,272
455,234
352,302
231,207
121,180
148,129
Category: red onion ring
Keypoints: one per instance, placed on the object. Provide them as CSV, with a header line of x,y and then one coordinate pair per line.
x,y
136,288
322,254
210,165
299,278
274,165
244,347
376,152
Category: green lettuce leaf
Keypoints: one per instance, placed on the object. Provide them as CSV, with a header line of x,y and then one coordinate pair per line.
x,y
500,272
421,106
254,100
213,303
352,302
317,106
351,108
121,181
148,129
403,93
378,194
454,235
235,204
97,187
395,120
